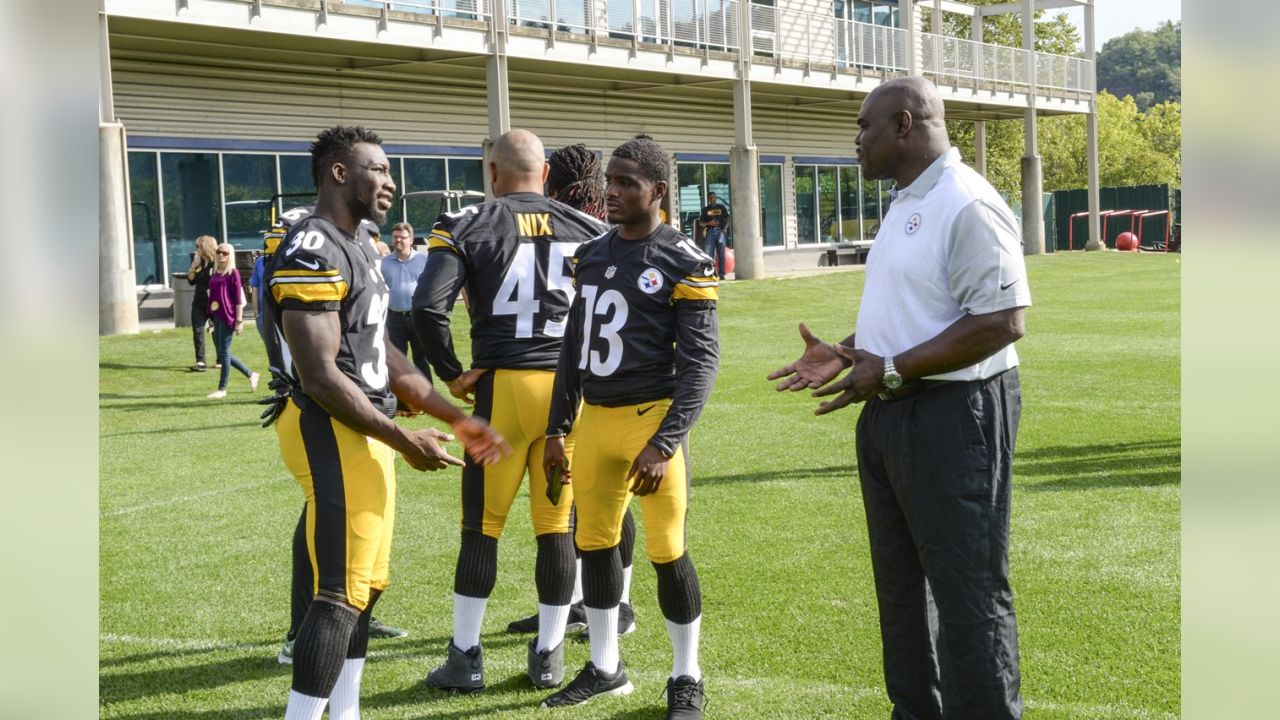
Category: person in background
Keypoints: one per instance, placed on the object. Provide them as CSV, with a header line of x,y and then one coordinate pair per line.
x,y
198,276
401,270
270,241
714,223
226,309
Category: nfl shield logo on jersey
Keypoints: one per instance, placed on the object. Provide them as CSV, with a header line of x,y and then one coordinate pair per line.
x,y
650,281
608,274
913,223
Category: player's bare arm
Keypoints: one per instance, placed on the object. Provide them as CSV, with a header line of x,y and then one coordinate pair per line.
x,y
967,341
818,365
412,388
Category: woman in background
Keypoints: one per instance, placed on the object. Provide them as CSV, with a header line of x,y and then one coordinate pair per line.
x,y
226,309
198,275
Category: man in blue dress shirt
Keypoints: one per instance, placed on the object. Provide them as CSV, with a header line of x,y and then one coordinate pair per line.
x,y
401,270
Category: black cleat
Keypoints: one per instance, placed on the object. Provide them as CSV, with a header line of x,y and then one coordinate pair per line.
x,y
577,621
590,684
685,698
461,672
546,668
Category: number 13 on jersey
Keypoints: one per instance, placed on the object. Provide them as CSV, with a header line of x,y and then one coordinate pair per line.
x,y
518,293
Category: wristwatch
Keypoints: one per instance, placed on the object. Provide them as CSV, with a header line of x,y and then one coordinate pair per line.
x,y
891,380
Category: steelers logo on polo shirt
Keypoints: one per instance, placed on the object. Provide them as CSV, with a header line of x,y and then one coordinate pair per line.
x,y
650,281
913,223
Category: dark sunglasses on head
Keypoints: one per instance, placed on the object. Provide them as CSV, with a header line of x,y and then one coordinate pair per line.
x,y
223,252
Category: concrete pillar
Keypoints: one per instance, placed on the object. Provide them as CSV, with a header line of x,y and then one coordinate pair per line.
x,y
979,126
497,91
907,16
744,170
1091,135
1032,179
117,292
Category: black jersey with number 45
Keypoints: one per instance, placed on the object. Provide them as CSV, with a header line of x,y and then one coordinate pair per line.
x,y
512,255
319,267
642,328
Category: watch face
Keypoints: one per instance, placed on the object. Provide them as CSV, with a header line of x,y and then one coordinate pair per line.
x,y
892,380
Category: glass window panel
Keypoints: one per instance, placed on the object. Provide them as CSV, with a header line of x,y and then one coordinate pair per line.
x,y
806,204
248,182
849,204
296,186
466,174
885,198
883,15
870,207
689,178
148,260
827,211
771,205
717,175
423,174
190,182
862,11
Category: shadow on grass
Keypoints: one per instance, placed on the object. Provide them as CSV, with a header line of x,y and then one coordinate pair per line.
x,y
224,714
162,368
133,685
832,471
1149,463
177,403
170,431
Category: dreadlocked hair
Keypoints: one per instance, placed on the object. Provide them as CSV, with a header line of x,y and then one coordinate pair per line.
x,y
334,146
575,179
649,155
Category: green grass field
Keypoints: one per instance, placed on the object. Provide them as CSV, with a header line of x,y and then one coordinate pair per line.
x,y
196,515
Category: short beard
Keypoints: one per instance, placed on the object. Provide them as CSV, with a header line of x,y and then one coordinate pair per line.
x,y
367,209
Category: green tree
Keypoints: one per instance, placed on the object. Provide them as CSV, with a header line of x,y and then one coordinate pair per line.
x,y
1146,64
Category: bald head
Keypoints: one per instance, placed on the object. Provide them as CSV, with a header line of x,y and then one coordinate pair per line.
x,y
902,129
517,163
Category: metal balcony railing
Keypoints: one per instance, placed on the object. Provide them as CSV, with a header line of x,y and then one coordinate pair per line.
x,y
778,34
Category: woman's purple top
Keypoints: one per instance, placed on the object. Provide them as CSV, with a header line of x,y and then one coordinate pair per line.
x,y
224,293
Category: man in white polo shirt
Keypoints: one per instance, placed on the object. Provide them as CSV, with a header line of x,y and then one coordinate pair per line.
x,y
933,358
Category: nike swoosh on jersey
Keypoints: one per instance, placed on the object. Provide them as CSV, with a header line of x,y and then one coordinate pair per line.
x,y
313,265
1006,287
641,411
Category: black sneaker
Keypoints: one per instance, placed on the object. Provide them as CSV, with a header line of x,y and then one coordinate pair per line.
x,y
577,621
590,684
461,672
626,623
546,668
379,629
685,698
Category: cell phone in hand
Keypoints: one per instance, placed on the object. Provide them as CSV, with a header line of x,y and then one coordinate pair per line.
x,y
555,484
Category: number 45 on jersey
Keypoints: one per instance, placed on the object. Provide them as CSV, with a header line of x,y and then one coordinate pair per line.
x,y
518,293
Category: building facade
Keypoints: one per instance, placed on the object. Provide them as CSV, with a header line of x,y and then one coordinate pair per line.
x,y
756,101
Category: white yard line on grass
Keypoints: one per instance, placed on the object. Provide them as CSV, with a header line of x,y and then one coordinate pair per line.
x,y
186,498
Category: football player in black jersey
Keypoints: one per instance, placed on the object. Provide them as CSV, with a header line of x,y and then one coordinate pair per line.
x,y
336,433
300,591
574,177
641,349
512,255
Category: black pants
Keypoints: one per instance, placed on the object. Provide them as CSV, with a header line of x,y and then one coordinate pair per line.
x,y
936,471
403,335
199,317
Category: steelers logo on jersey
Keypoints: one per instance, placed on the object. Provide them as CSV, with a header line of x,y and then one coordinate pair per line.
x,y
913,223
650,281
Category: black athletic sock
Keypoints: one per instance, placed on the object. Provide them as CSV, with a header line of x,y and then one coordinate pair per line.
x,y
555,569
321,648
300,586
679,594
477,569
627,545
359,646
601,578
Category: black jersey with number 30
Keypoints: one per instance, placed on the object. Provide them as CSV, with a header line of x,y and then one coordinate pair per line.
x,y
512,255
643,327
319,267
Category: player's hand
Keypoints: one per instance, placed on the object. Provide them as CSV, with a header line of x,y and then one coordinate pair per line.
x,y
552,455
463,387
482,442
424,451
862,382
647,471
818,365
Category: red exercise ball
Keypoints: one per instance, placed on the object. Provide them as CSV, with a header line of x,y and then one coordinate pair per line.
x,y
728,260
1127,241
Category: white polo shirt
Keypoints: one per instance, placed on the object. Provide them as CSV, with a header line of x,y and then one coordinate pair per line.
x,y
949,246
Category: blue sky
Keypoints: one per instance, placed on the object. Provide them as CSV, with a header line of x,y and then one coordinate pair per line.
x,y
1117,17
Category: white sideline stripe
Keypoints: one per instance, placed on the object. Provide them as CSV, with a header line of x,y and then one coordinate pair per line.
x,y
113,639
185,498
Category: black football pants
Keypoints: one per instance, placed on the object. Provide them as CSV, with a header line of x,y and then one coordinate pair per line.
x,y
936,471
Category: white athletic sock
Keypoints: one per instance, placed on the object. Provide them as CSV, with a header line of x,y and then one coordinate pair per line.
x,y
577,583
684,648
304,707
468,614
551,622
603,626
626,584
344,703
